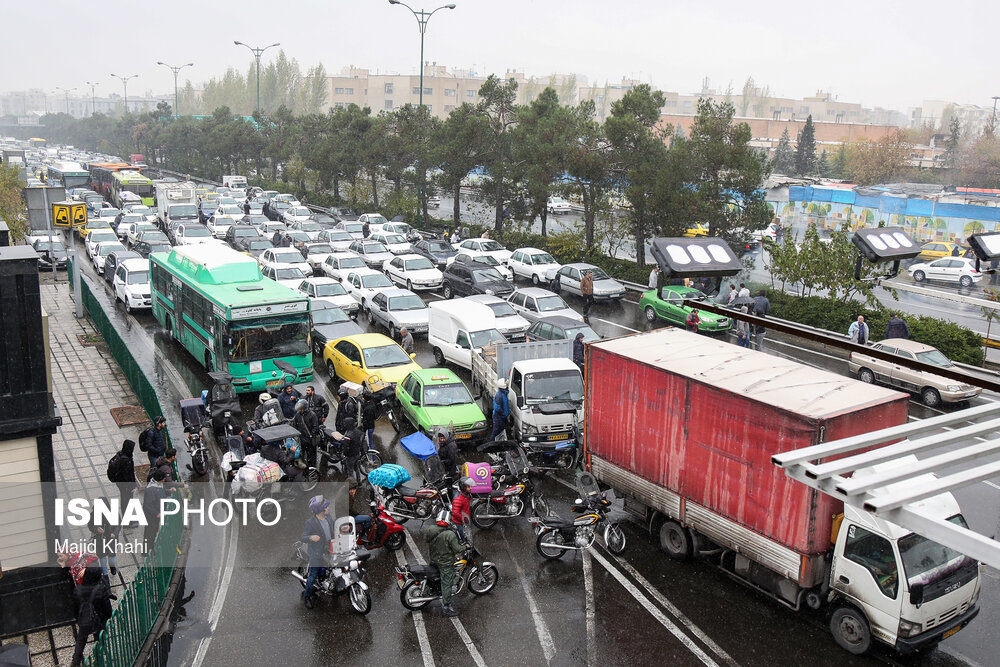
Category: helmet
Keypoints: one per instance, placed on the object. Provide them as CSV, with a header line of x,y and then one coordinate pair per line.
x,y
301,405
264,397
317,504
342,391
502,383
443,518
466,483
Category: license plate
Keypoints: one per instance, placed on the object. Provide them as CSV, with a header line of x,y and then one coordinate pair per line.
x,y
561,436
274,383
970,394
400,583
463,436
949,633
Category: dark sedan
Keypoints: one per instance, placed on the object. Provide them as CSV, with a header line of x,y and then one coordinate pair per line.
x,y
330,323
557,327
50,253
436,250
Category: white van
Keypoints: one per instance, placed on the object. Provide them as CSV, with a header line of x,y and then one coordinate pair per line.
x,y
457,326
131,284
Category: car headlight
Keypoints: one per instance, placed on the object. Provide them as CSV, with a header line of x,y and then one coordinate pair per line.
x,y
529,429
490,292
909,628
480,424
954,387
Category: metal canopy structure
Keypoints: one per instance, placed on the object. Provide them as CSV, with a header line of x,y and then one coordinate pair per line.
x,y
894,492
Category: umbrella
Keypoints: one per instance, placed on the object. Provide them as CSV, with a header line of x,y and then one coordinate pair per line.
x,y
742,301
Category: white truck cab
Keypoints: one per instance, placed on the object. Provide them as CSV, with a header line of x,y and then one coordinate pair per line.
x,y
455,327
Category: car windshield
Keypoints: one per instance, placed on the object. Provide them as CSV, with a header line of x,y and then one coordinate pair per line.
x,y
160,247
260,338
376,220
401,227
152,236
934,357
45,245
502,309
588,334
288,273
599,273
299,210
232,210
549,303
446,394
491,246
310,227
101,237
684,293
300,237
244,231
227,202
109,212
329,316
546,386
108,248
927,562
418,264
439,246
288,257
191,232
351,263
375,281
542,258
385,356
372,248
330,289
393,239
319,249
132,218
340,236
406,302
259,245
486,337
487,259
138,278
354,227
486,275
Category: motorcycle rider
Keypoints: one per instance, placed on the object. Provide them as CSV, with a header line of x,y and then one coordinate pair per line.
x,y
317,403
287,398
268,403
307,423
317,533
461,512
445,548
272,451
347,406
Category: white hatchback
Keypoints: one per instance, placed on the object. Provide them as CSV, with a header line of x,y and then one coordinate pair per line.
x,y
533,264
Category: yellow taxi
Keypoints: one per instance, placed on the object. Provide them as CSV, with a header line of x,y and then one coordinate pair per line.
x,y
92,224
938,249
696,230
362,356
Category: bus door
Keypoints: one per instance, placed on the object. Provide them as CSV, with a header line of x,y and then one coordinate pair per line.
x,y
177,297
221,343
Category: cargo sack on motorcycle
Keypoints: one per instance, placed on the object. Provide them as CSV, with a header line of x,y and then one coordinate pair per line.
x,y
388,476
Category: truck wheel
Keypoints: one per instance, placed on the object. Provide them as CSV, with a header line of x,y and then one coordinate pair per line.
x,y
675,540
438,356
813,600
850,630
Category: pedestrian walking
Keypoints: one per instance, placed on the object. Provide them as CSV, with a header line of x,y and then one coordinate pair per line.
x,y
742,329
732,294
654,278
692,321
152,499
93,609
444,549
859,332
121,472
406,340
578,351
897,328
317,534
501,409
152,440
761,307
103,538
587,291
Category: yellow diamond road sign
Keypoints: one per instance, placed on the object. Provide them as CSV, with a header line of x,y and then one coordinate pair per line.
x,y
65,214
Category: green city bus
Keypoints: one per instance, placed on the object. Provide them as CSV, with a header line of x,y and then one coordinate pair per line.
x,y
215,302
69,175
131,181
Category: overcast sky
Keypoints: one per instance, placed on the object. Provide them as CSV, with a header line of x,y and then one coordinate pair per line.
x,y
877,52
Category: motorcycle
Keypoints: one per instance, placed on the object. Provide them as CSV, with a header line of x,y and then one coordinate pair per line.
x,y
404,502
508,501
382,531
346,570
330,451
556,536
385,394
192,411
222,405
420,585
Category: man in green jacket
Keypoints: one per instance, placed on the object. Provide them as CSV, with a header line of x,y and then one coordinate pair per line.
x,y
445,548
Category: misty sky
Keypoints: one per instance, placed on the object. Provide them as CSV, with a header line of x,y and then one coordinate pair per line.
x,y
877,52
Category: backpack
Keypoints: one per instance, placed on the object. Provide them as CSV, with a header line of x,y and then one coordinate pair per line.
x,y
89,618
144,439
113,467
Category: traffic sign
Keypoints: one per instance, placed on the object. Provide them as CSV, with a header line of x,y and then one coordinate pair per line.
x,y
66,214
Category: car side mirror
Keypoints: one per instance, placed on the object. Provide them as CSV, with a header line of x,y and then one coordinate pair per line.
x,y
520,401
916,595
413,355
356,364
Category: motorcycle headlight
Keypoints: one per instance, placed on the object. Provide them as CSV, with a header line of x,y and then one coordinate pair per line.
x,y
480,424
355,564
909,628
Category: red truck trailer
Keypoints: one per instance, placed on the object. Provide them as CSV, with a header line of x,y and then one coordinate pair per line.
x,y
684,426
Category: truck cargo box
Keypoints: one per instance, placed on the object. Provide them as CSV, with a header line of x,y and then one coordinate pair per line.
x,y
700,419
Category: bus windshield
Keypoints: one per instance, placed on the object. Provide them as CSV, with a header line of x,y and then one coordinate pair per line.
x,y
268,337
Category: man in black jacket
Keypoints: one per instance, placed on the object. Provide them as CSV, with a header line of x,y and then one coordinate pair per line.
x,y
353,448
152,499
578,351
93,609
370,411
121,471
272,451
307,423
347,407
317,403
156,443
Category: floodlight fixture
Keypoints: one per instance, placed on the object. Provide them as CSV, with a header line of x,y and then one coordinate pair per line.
x,y
880,245
986,247
694,257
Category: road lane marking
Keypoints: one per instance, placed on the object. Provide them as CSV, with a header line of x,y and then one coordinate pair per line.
x,y
541,629
630,301
466,639
220,596
615,324
588,587
655,611
419,625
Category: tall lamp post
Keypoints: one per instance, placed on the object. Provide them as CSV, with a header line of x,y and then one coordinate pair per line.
x,y
175,70
67,91
422,19
93,98
257,51
995,98
124,80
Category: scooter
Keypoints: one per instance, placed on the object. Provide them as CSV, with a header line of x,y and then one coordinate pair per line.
x,y
382,531
345,572
419,585
556,536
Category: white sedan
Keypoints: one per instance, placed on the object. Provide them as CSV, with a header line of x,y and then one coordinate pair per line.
x,y
289,276
364,284
557,206
330,290
337,265
295,214
533,264
415,271
310,228
224,217
396,243
96,237
338,239
375,221
959,270
282,257
485,247
193,233
101,252
316,254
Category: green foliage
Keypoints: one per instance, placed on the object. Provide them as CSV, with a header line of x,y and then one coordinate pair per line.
x,y
13,210
805,150
784,156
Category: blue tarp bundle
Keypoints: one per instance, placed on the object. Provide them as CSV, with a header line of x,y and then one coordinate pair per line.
x,y
822,194
419,445
864,200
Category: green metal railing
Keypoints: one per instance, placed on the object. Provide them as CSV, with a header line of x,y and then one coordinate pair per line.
x,y
132,620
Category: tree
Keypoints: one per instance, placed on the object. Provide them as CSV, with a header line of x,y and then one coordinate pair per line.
x,y
823,166
879,161
589,165
458,150
805,150
12,208
784,157
840,167
952,142
979,163
497,106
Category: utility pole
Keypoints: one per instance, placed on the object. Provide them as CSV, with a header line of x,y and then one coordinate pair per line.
x,y
175,70
257,51
93,98
67,91
124,80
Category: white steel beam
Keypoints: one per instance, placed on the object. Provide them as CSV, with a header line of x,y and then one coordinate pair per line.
x,y
883,503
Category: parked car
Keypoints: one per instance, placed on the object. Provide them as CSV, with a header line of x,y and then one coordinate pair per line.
x,y
363,284
398,308
337,265
605,287
436,250
330,323
668,305
101,252
131,284
338,239
193,234
50,253
932,389
414,271
558,327
486,247
372,252
357,358
145,249
284,257
949,270
463,279
396,243
533,264
330,291
284,274
535,302
558,206
508,322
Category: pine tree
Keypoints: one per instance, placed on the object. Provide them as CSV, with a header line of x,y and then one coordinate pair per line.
x,y
784,158
952,142
840,166
805,150
823,165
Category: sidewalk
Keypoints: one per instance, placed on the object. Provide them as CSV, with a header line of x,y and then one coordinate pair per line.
x,y
86,385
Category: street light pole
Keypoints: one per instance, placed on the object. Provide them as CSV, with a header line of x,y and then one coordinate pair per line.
x,y
995,98
67,91
257,51
423,17
93,98
175,70
124,80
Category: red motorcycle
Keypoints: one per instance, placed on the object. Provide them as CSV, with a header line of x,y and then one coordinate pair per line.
x,y
382,531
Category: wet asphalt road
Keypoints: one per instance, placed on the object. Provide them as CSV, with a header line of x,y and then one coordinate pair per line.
x,y
597,609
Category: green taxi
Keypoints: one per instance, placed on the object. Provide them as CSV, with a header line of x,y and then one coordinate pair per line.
x,y
668,306
435,397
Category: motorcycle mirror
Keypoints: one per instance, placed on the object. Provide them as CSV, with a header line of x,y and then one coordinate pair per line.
x,y
579,501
